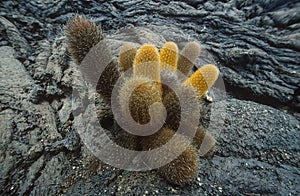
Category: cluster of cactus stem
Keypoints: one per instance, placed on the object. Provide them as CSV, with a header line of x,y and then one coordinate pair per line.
x,y
147,64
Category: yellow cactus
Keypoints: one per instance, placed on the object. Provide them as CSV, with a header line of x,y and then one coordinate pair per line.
x,y
169,56
146,63
203,79
181,170
126,56
141,97
188,57
142,90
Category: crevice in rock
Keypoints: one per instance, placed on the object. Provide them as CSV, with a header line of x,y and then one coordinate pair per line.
x,y
248,95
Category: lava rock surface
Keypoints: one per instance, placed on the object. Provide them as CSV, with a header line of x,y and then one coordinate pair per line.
x,y
254,43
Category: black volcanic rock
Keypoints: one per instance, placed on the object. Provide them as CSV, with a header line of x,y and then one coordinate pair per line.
x,y
257,152
254,43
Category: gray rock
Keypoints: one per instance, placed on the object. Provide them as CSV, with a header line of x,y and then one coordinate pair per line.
x,y
46,183
258,150
16,40
25,129
57,62
66,110
254,43
41,60
257,39
15,80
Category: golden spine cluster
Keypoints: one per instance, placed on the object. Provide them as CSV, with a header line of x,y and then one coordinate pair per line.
x,y
149,63
203,78
169,56
146,63
140,91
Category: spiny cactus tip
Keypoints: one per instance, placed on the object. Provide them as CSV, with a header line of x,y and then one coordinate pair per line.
x,y
188,57
82,35
169,56
146,53
191,50
203,78
210,74
146,63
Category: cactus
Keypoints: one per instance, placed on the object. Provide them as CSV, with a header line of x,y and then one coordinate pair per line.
x,y
173,107
146,63
203,78
141,98
206,146
180,170
169,56
126,56
82,35
188,57
107,81
104,110
143,89
184,168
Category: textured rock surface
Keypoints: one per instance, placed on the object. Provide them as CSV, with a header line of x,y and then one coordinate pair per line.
x,y
254,43
257,153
